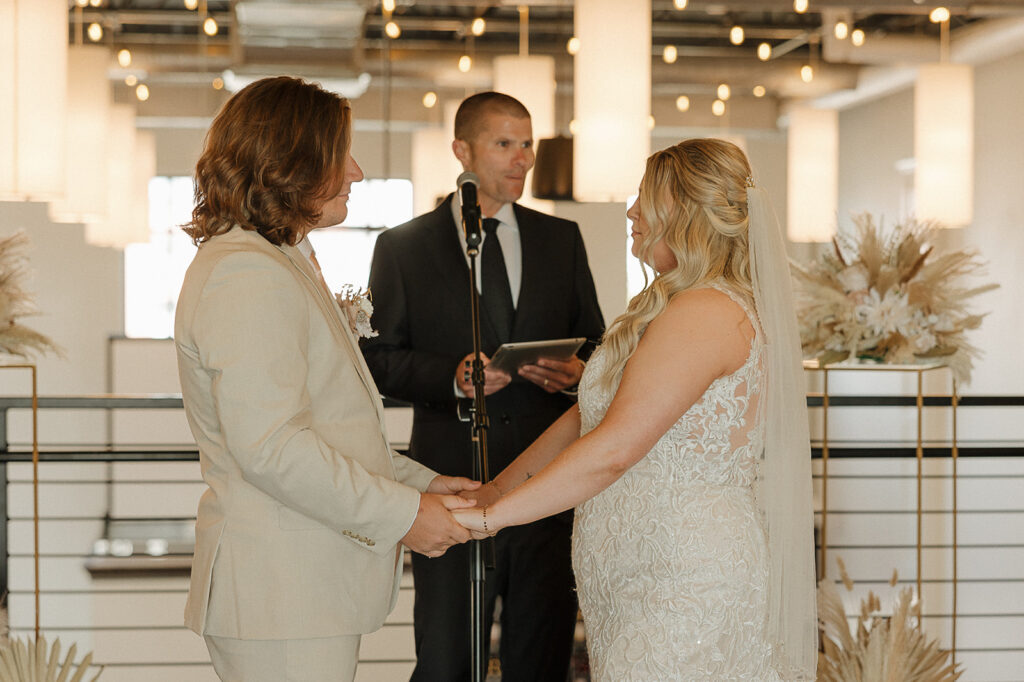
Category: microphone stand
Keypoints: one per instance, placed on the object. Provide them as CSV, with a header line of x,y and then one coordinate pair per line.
x,y
480,424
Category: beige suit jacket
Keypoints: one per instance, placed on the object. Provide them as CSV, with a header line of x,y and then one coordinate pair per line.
x,y
297,536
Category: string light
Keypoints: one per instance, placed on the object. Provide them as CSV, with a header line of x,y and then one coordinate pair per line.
x,y
683,103
130,80
478,26
939,15
124,58
799,6
724,92
718,107
841,30
736,35
142,92
574,127
218,83
764,52
210,26
857,37
191,4
95,32
680,4
95,3
388,6
759,91
465,63
430,99
670,54
392,30
81,3
650,123
806,73
573,46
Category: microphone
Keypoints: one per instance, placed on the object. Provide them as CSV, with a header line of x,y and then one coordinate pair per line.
x,y
468,183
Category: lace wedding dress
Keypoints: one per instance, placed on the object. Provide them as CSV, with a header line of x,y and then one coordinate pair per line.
x,y
670,560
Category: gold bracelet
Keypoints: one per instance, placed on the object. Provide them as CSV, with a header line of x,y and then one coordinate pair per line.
x,y
486,529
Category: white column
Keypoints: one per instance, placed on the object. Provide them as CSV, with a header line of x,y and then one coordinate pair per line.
x,y
33,98
944,144
812,174
612,94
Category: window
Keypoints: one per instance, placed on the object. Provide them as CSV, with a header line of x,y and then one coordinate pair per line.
x,y
154,271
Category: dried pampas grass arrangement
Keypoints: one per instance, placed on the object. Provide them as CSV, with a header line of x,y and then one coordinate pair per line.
x,y
16,302
884,648
885,295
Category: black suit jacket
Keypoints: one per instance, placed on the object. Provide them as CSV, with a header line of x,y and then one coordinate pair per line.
x,y
420,284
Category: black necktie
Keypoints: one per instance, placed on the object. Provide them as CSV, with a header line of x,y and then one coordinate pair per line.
x,y
496,294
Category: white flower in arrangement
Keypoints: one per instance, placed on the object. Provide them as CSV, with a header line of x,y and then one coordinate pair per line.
x,y
883,314
853,278
358,308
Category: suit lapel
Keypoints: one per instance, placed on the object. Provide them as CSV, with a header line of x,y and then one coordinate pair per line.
x,y
336,317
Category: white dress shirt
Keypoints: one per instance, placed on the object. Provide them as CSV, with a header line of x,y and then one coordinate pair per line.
x,y
508,235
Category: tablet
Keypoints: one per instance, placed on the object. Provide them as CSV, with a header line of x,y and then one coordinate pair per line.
x,y
511,356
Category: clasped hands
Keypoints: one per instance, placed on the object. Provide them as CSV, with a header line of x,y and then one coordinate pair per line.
x,y
551,375
450,513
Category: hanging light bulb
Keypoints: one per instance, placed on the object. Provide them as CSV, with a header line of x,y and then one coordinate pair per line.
x,y
210,26
683,103
670,54
478,26
573,46
764,52
218,83
574,127
718,107
680,4
857,37
759,91
465,63
430,99
124,58
388,6
724,92
736,35
650,123
95,32
130,80
95,3
392,30
81,3
799,6
191,4
142,92
806,73
939,15
841,30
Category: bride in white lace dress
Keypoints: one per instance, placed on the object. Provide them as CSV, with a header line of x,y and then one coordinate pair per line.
x,y
687,457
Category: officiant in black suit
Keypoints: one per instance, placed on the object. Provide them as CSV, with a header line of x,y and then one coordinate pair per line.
x,y
535,284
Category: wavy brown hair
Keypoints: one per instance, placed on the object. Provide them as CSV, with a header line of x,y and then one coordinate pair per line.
x,y
694,198
273,156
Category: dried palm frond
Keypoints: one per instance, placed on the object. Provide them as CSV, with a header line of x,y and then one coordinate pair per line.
x,y
885,295
36,661
885,649
17,302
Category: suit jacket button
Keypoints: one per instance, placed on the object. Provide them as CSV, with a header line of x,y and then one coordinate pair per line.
x,y
505,419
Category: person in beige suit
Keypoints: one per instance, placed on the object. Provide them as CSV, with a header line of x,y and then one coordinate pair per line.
x,y
299,536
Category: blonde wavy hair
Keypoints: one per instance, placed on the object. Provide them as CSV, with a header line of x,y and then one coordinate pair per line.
x,y
694,198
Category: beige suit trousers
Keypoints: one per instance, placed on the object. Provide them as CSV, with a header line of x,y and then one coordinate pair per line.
x,y
327,659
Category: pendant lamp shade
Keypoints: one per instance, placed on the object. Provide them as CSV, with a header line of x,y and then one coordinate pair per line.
x,y
813,174
33,98
89,97
944,144
612,96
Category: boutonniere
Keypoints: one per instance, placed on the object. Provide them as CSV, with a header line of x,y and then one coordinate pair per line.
x,y
358,308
